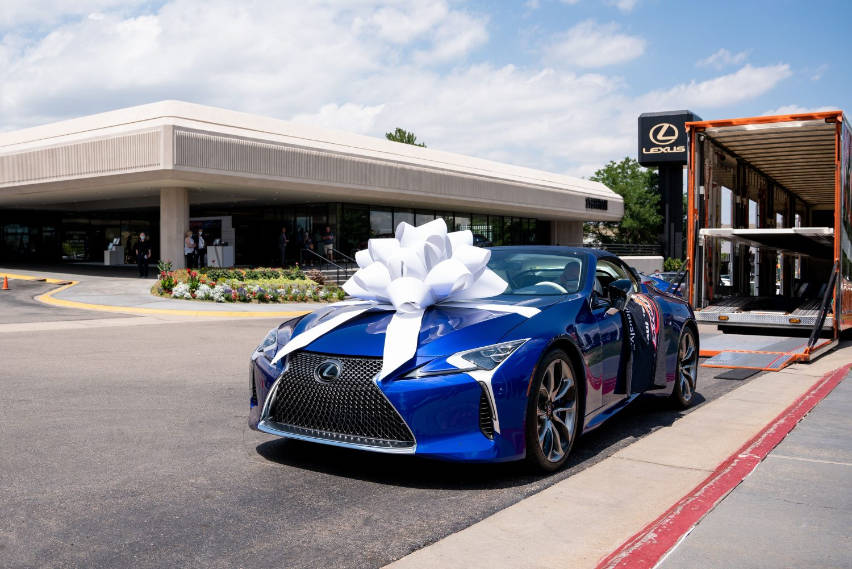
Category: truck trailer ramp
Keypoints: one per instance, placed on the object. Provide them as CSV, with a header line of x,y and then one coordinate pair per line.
x,y
764,353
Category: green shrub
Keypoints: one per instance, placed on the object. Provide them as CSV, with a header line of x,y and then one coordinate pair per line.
x,y
672,264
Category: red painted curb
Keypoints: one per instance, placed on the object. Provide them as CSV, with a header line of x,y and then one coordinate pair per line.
x,y
646,548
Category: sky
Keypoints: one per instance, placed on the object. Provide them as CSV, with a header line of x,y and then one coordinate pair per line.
x,y
550,84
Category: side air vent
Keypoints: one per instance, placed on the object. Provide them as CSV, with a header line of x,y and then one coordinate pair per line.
x,y
486,420
253,401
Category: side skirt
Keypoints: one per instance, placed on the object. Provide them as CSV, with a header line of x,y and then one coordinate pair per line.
x,y
605,414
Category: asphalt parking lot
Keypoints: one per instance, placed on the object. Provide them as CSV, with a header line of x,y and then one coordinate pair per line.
x,y
17,305
128,446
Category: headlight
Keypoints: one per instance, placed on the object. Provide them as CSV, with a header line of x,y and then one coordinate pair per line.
x,y
485,358
271,339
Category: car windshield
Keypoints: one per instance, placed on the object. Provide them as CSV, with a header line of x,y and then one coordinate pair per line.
x,y
539,273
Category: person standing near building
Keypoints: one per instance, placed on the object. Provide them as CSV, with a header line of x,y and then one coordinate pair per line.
x,y
143,255
200,250
308,245
327,240
188,249
282,245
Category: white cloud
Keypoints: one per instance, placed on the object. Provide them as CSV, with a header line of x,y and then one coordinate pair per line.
x,y
817,73
365,66
589,44
723,58
404,24
43,13
457,35
348,116
747,83
796,109
625,6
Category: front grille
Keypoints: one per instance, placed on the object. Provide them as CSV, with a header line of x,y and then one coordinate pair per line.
x,y
486,420
348,409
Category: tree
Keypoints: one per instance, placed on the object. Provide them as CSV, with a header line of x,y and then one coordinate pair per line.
x,y
404,136
642,222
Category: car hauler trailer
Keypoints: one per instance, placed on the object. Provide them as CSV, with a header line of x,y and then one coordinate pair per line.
x,y
769,215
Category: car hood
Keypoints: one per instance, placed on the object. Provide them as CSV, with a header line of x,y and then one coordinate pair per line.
x,y
445,329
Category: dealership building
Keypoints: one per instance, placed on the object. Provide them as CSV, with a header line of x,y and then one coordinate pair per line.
x,y
73,189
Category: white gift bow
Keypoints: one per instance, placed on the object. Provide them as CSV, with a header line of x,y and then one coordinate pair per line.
x,y
419,267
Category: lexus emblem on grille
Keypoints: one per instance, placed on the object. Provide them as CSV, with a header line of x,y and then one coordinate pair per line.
x,y
327,371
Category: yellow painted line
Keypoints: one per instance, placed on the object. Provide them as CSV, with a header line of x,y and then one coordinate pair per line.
x,y
47,298
32,278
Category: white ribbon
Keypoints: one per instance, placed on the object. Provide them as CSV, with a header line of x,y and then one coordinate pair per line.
x,y
419,267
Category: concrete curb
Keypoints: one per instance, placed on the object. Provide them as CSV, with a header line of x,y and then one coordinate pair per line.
x,y
654,541
20,277
48,298
582,520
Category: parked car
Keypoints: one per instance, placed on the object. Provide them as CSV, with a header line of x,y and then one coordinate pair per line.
x,y
669,282
480,240
486,384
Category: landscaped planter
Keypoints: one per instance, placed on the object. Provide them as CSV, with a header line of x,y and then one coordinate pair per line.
x,y
243,285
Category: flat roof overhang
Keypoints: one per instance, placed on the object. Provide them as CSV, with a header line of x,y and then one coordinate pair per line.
x,y
222,156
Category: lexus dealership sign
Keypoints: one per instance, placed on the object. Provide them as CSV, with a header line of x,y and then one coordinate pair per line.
x,y
662,137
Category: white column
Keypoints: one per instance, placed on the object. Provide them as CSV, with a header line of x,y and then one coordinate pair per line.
x,y
566,233
174,222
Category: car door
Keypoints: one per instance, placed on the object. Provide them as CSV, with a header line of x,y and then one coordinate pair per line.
x,y
611,329
641,326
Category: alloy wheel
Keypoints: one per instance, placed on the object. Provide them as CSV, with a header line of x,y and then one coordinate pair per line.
x,y
556,410
687,365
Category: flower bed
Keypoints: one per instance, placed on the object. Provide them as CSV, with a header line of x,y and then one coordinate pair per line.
x,y
243,285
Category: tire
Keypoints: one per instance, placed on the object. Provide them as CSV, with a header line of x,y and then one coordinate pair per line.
x,y
553,412
686,376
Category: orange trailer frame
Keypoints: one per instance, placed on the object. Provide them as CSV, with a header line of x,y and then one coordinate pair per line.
x,y
843,287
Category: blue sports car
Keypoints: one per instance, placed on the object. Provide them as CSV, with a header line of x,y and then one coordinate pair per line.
x,y
583,339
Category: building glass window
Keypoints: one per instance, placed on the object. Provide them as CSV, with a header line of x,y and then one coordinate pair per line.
x,y
354,229
381,222
479,226
461,221
447,217
401,215
424,217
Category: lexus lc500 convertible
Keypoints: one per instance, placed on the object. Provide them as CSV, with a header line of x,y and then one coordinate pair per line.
x,y
574,337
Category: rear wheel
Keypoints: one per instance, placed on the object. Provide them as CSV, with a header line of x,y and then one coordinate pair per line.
x,y
687,369
552,412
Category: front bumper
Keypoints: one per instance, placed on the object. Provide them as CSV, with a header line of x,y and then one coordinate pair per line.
x,y
442,413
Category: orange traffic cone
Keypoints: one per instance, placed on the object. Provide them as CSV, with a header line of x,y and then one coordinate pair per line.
x,y
5,282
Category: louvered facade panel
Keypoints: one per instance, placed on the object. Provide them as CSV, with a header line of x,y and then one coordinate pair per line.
x,y
110,155
198,150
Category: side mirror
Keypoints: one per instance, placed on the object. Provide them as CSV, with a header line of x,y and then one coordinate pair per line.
x,y
618,290
598,301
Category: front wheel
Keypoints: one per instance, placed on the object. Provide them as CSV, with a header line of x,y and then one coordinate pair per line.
x,y
687,369
552,412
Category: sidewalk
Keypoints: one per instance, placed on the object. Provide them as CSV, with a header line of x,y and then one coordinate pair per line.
x,y
132,296
795,510
611,513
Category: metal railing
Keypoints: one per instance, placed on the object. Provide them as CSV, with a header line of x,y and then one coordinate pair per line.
x,y
347,258
620,249
324,263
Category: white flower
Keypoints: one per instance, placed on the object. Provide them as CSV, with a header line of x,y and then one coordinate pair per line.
x,y
181,290
203,292
218,293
